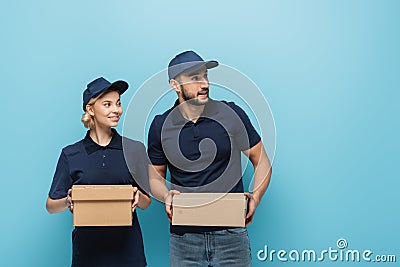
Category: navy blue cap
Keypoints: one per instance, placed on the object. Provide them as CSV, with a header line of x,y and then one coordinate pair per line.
x,y
188,61
100,85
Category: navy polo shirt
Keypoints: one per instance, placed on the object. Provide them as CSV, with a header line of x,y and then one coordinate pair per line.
x,y
204,156
86,162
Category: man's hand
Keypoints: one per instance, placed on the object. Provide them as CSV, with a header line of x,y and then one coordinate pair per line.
x,y
252,204
168,203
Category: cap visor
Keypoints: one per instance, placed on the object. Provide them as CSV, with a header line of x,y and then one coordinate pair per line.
x,y
211,64
208,64
120,86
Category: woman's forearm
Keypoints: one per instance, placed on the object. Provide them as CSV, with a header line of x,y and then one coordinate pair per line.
x,y
56,205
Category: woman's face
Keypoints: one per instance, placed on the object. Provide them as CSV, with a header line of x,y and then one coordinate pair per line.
x,y
107,110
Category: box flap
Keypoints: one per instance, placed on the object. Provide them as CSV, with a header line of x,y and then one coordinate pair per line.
x,y
102,192
201,199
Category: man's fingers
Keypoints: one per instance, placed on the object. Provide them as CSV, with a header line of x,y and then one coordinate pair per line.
x,y
168,203
250,212
251,208
249,220
168,210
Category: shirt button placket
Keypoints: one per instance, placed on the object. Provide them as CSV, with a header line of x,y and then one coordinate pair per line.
x,y
104,158
195,131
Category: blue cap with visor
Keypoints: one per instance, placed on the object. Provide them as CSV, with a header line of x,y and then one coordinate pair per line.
x,y
186,62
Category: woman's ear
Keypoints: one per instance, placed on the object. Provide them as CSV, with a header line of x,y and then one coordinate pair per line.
x,y
89,110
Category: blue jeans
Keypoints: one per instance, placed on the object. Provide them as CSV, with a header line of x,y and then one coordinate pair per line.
x,y
229,248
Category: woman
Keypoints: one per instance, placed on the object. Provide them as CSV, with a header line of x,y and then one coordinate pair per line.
x,y
99,159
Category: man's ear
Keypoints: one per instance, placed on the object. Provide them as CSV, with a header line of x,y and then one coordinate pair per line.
x,y
175,85
89,110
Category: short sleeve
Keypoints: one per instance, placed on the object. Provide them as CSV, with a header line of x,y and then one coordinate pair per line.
x,y
250,133
62,180
154,150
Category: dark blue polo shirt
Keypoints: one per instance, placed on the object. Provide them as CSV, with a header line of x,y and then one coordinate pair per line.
x,y
204,156
86,162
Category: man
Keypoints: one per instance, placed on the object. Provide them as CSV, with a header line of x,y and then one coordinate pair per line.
x,y
200,141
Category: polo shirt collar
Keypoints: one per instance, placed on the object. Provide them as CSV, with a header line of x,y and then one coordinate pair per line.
x,y
91,146
210,109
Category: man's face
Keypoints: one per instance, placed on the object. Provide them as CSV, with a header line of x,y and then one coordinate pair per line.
x,y
194,87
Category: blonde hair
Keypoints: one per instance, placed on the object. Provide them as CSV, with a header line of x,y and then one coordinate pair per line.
x,y
87,119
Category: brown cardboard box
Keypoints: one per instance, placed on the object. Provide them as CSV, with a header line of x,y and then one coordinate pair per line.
x,y
102,205
209,209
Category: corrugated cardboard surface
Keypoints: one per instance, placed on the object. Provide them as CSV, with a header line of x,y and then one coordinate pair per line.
x,y
102,205
209,209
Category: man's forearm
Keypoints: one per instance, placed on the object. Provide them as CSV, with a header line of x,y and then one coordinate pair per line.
x,y
261,181
262,171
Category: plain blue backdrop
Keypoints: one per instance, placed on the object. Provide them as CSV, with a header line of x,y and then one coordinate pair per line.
x,y
329,69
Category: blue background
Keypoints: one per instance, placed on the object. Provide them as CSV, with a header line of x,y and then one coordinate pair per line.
x,y
329,69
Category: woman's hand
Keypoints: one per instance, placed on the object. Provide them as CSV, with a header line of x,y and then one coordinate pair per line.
x,y
140,200
68,201
136,198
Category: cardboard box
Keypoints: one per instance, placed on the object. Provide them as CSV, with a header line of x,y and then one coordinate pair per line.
x,y
102,205
209,209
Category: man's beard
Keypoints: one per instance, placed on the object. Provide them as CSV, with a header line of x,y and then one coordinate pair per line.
x,y
192,100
